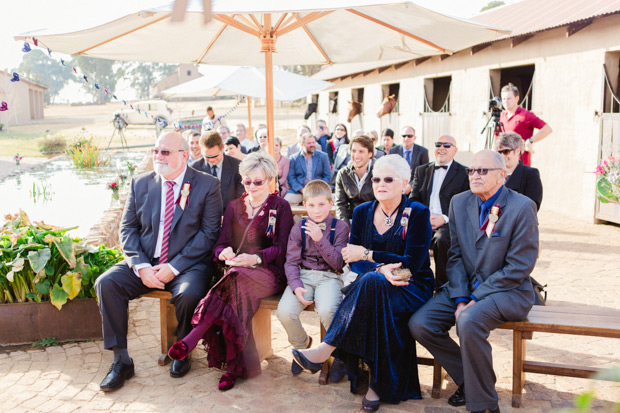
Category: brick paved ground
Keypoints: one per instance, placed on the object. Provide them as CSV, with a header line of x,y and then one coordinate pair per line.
x,y
579,261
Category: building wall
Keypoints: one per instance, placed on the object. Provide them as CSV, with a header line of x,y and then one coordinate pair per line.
x,y
567,91
24,99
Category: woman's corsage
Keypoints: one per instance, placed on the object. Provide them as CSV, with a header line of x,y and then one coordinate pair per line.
x,y
271,227
404,221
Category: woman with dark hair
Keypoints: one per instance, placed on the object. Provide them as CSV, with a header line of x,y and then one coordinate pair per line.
x,y
340,145
252,242
387,138
388,247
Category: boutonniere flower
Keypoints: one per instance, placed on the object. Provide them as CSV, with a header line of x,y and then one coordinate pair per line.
x,y
491,220
184,195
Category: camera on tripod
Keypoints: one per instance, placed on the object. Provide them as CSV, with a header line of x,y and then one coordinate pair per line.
x,y
118,122
495,107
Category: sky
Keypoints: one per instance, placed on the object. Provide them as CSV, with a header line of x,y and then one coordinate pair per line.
x,y
69,15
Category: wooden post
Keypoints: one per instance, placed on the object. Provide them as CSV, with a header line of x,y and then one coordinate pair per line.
x,y
250,131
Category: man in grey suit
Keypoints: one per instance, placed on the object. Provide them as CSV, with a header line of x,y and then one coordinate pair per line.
x,y
223,167
494,233
415,155
169,227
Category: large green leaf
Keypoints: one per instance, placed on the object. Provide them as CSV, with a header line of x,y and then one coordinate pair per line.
x,y
43,287
65,247
71,283
83,269
39,258
58,296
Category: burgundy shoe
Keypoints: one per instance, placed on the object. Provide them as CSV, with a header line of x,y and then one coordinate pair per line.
x,y
227,381
178,351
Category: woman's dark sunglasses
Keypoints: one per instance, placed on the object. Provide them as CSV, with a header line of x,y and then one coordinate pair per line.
x,y
505,151
256,182
481,171
377,179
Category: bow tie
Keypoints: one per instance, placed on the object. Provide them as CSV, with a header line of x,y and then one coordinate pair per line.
x,y
441,167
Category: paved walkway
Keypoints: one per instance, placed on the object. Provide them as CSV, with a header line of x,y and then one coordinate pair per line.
x,y
8,168
579,262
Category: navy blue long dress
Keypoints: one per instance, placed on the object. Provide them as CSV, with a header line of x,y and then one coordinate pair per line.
x,y
370,325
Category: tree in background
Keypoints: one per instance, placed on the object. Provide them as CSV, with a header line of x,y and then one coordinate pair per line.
x,y
39,68
106,72
492,4
304,70
144,75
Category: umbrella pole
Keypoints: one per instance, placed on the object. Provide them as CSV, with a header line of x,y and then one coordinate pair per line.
x,y
249,116
268,47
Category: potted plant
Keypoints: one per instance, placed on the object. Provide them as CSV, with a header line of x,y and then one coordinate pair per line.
x,y
608,183
42,271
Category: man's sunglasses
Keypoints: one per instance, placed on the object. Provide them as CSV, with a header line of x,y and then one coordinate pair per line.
x,y
377,179
446,145
164,152
213,156
256,182
505,151
407,136
481,171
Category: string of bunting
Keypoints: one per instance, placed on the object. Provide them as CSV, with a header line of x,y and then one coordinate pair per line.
x,y
81,76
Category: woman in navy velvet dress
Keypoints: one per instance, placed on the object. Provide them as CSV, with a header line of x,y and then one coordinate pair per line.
x,y
370,325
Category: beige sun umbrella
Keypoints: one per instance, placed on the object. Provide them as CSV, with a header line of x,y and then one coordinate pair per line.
x,y
275,32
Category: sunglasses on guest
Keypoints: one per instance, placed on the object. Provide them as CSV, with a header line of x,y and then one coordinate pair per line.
x,y
505,151
213,156
339,129
446,145
377,179
407,136
165,152
256,182
481,171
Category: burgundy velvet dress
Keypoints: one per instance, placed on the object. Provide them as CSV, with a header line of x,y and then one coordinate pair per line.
x,y
230,305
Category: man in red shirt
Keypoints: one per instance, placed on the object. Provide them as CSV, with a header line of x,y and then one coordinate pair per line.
x,y
522,121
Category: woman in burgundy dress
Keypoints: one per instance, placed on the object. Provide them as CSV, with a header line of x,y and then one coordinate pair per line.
x,y
253,242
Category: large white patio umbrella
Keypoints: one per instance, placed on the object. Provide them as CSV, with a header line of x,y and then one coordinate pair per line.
x,y
280,32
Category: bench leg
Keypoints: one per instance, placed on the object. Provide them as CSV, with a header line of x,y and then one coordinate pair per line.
x,y
438,375
518,376
324,374
261,328
168,329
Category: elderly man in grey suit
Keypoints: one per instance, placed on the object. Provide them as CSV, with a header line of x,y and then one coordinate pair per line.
x,y
494,233
169,226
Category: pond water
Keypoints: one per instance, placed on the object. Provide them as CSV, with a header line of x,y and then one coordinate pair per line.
x,y
62,195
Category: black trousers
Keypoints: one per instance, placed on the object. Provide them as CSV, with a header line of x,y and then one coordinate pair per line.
x,y
440,243
120,284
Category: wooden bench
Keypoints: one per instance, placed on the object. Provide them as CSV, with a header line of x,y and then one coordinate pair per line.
x,y
584,321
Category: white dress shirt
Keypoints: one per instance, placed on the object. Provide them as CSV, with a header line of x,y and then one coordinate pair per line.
x,y
178,184
438,177
360,182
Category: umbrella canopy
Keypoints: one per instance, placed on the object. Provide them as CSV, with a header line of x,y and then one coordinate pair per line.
x,y
247,81
280,32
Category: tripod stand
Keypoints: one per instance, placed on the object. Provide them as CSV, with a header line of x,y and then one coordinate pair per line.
x,y
119,127
492,133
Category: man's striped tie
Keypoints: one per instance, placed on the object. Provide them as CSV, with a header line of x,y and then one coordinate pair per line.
x,y
163,256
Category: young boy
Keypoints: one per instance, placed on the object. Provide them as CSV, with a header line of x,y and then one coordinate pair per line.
x,y
313,266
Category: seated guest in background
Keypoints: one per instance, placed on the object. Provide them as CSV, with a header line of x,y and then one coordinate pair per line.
x,y
494,235
354,181
232,147
342,153
339,138
305,166
294,148
253,242
415,155
372,134
224,132
160,253
324,137
261,137
223,167
193,139
523,179
283,166
314,270
371,322
246,141
434,185
387,139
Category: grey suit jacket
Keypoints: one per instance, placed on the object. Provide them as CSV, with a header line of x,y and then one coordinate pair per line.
x,y
501,264
193,232
419,156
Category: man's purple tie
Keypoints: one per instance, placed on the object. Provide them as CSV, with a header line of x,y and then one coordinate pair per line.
x,y
163,256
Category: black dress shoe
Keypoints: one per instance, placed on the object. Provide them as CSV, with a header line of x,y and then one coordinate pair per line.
x,y
118,373
496,410
458,398
336,373
180,368
305,363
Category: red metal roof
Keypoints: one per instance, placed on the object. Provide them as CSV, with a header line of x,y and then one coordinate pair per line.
x,y
529,16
